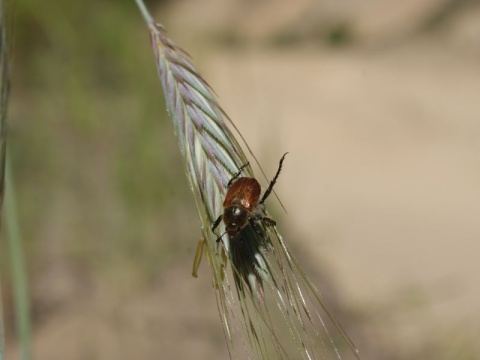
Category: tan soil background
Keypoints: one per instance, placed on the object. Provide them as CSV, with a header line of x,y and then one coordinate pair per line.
x,y
382,183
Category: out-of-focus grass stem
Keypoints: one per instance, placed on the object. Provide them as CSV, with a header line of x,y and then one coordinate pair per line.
x,y
1,327
19,277
146,15
4,90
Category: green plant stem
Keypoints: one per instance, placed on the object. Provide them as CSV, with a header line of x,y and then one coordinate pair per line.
x,y
1,326
21,298
146,14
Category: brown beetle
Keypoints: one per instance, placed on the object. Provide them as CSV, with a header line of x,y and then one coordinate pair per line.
x,y
242,205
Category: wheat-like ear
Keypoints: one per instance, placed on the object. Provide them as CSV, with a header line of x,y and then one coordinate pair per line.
x,y
211,153
274,311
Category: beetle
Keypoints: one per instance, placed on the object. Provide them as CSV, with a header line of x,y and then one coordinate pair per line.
x,y
242,205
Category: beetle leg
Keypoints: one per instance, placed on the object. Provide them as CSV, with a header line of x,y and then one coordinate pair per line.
x,y
220,238
216,223
252,222
270,187
236,175
269,222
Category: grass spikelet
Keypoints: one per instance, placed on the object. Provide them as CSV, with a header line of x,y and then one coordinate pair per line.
x,y
268,306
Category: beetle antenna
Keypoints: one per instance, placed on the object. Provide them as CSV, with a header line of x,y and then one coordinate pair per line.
x,y
270,187
216,223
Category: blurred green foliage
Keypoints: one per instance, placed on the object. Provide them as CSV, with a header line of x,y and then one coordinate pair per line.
x,y
100,181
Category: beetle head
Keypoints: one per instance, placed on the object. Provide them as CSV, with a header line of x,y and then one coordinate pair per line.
x,y
235,217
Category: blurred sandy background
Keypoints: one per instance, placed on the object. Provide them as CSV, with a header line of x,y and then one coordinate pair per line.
x,y
378,103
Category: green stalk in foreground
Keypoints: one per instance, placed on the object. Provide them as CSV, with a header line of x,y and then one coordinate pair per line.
x,y
4,90
21,299
20,285
2,350
271,310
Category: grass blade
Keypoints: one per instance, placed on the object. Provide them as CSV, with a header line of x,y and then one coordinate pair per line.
x,y
21,299
4,91
268,307
20,284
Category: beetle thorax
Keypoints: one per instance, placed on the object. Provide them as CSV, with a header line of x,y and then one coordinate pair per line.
x,y
235,217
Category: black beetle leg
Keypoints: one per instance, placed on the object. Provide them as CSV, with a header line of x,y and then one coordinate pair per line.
x,y
255,227
236,175
268,221
216,223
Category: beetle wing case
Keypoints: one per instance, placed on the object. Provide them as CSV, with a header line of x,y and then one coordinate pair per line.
x,y
244,192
